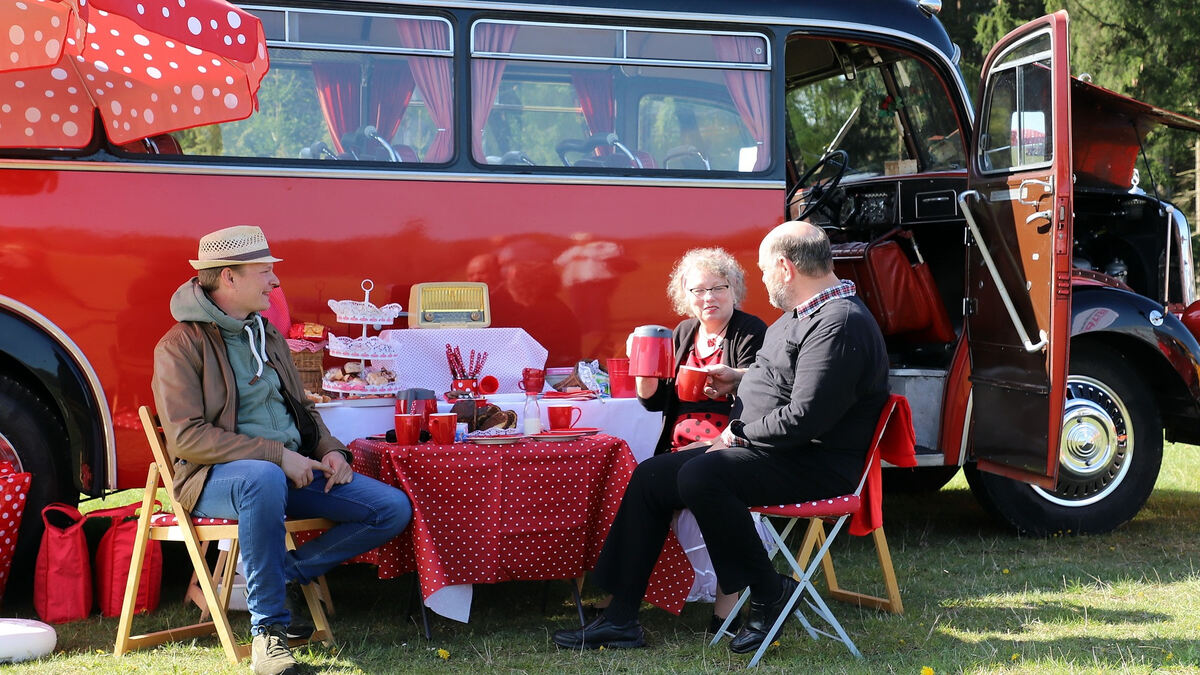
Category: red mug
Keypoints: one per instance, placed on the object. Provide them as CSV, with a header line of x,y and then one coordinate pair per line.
x,y
442,426
533,380
468,385
408,428
652,352
488,384
620,383
563,416
689,383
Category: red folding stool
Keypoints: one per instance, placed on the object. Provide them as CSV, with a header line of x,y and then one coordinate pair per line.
x,y
894,437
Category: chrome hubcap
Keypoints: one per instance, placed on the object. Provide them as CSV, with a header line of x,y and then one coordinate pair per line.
x,y
1096,448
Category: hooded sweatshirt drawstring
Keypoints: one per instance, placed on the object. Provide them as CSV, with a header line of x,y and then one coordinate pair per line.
x,y
260,355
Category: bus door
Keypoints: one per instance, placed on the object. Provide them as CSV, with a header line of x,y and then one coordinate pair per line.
x,y
1018,212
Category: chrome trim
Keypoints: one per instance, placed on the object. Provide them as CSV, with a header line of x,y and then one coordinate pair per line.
x,y
289,42
358,174
1030,346
64,341
1183,242
622,30
930,7
758,19
966,429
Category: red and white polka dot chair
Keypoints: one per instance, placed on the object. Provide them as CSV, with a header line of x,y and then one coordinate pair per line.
x,y
179,525
893,439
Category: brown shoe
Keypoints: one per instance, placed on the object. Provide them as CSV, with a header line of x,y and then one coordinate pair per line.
x,y
269,653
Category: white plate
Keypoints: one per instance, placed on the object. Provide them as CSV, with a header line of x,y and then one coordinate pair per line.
x,y
496,440
359,402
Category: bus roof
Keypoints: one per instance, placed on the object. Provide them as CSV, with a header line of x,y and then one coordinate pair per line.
x,y
899,17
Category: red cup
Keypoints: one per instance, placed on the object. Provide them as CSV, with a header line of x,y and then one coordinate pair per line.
x,y
441,427
620,383
488,384
423,407
689,383
563,416
408,428
471,386
652,352
533,380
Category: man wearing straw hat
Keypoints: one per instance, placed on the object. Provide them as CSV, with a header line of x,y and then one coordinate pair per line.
x,y
249,446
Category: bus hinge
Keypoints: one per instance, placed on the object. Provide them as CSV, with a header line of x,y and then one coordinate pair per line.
x,y
970,306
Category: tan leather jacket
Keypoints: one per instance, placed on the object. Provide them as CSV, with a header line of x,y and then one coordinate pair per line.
x,y
196,398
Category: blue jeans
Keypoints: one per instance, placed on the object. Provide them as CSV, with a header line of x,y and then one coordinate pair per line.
x,y
259,496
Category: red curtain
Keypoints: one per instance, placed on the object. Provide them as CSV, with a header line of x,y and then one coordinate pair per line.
x,y
339,87
485,78
595,92
432,76
748,89
391,89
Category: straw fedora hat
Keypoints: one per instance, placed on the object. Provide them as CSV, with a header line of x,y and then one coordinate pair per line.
x,y
239,245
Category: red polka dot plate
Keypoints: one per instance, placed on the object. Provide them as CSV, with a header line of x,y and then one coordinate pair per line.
x,y
565,434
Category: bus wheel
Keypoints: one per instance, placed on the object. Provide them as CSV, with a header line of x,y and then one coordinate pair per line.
x,y
917,479
1110,452
31,437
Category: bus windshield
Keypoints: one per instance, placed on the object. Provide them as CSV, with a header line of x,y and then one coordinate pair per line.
x,y
896,112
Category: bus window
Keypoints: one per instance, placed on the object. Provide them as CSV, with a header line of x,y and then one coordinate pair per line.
x,y
350,87
890,108
1019,106
555,95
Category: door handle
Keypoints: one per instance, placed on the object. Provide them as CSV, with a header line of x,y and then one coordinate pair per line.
x,y
1037,215
1023,190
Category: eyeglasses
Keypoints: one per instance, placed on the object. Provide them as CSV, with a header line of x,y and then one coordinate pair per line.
x,y
715,290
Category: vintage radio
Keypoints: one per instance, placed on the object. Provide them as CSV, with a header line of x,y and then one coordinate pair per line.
x,y
449,304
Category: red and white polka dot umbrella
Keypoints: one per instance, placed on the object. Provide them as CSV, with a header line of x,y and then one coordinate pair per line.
x,y
155,67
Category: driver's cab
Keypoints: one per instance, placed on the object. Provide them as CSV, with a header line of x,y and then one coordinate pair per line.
x,y
877,155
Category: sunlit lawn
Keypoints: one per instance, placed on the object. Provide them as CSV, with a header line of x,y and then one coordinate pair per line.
x,y
977,599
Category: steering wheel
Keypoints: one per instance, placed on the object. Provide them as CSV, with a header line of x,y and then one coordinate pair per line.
x,y
820,191
685,152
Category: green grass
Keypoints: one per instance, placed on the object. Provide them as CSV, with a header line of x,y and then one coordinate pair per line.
x,y
977,599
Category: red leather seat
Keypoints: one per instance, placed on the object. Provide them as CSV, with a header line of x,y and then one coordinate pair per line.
x,y
902,296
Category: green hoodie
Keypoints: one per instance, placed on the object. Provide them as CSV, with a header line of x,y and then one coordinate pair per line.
x,y
261,411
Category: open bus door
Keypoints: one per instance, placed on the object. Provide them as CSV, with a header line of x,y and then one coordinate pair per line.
x,y
1019,215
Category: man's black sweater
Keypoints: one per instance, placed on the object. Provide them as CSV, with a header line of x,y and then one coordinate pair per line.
x,y
819,383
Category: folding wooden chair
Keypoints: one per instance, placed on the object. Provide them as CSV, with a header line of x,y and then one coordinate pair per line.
x,y
179,525
893,431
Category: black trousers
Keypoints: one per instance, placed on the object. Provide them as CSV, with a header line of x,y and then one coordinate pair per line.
x,y
718,487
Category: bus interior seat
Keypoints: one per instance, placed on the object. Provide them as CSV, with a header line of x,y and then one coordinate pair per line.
x,y
901,295
406,153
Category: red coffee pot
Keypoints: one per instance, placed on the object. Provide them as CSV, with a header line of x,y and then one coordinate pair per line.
x,y
651,352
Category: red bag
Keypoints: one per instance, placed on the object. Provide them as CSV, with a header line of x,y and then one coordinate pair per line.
x,y
62,582
112,562
13,488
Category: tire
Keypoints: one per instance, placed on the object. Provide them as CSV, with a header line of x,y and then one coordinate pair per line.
x,y
917,479
1103,481
32,437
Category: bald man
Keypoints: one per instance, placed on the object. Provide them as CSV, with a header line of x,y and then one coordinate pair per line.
x,y
800,429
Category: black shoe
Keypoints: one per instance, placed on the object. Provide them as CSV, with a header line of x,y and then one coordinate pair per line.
x,y
714,625
301,627
601,633
762,616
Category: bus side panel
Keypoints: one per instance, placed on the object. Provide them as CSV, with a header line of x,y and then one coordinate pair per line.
x,y
100,253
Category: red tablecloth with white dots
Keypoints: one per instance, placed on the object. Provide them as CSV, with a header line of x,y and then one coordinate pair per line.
x,y
526,511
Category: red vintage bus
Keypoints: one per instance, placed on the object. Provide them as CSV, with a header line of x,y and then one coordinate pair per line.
x,y
567,153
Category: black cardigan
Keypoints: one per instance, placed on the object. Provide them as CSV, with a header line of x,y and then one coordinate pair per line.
x,y
740,344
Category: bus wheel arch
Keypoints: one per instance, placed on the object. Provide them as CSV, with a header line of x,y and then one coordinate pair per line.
x,y
1112,442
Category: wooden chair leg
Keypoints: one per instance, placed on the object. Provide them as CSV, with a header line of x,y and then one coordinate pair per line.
x,y
194,595
133,583
312,596
815,536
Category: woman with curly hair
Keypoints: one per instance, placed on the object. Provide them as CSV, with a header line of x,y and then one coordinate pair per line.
x,y
707,285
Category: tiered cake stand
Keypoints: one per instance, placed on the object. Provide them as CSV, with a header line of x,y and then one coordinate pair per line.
x,y
366,347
